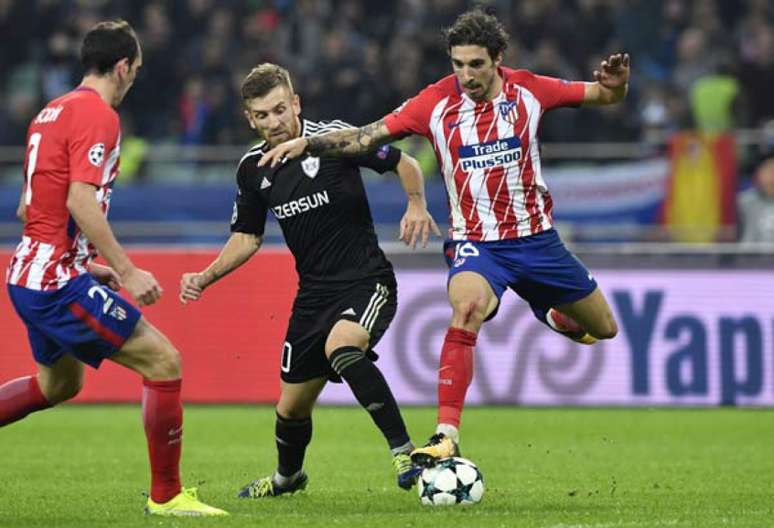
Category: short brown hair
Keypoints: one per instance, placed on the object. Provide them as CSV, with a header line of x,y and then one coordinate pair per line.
x,y
107,43
264,78
478,28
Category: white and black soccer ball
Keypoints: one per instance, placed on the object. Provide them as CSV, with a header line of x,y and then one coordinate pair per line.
x,y
451,481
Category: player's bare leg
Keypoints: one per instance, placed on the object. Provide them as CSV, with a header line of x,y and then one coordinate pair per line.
x,y
293,432
52,385
472,300
149,353
346,348
586,320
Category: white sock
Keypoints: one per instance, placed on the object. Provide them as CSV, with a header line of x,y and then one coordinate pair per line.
x,y
282,481
450,431
405,449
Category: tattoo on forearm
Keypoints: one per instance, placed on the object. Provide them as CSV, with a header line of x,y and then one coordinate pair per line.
x,y
350,142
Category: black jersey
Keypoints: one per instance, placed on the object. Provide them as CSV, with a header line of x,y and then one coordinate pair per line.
x,y
321,207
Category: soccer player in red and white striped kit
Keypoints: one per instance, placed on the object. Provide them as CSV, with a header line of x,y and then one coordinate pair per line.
x,y
69,303
483,123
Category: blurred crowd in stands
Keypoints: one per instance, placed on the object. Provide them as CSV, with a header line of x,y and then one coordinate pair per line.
x,y
697,63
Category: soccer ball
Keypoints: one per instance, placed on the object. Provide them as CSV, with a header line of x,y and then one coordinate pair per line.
x,y
451,481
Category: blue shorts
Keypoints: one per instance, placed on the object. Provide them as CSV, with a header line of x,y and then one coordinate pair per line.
x,y
84,319
539,268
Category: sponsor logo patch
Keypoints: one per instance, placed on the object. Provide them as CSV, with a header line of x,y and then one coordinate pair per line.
x,y
497,153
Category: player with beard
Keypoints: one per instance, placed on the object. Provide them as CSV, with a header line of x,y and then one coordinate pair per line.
x,y
347,292
69,303
483,122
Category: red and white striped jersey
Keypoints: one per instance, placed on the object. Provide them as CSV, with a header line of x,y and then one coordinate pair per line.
x,y
74,138
488,152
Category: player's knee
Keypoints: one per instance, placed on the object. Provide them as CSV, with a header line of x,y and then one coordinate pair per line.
x,y
468,313
336,342
607,330
293,411
62,390
167,363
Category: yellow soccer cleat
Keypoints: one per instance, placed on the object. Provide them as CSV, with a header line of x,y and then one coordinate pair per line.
x,y
439,446
184,504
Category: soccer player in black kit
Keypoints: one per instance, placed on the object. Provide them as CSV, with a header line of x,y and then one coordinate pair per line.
x,y
347,292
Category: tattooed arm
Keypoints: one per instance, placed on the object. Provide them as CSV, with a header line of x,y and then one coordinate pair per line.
x,y
347,142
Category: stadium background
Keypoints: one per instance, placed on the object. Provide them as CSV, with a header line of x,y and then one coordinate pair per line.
x,y
650,193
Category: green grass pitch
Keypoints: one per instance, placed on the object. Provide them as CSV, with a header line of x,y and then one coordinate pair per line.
x,y
85,466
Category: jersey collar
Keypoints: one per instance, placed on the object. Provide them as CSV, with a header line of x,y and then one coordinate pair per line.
x,y
86,89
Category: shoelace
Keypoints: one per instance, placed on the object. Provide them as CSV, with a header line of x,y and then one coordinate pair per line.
x,y
401,463
262,488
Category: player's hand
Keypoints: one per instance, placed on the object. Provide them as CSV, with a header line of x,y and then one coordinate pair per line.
x,y
416,224
287,150
614,72
142,286
191,287
105,275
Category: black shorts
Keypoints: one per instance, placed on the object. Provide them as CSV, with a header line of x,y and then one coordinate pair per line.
x,y
369,302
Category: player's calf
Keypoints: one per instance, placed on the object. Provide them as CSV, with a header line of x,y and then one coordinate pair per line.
x,y
20,397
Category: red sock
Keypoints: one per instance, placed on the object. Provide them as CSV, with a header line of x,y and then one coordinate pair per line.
x,y
455,374
20,397
162,414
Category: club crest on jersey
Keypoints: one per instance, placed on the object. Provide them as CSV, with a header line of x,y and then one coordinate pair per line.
x,y
509,111
498,153
311,165
97,154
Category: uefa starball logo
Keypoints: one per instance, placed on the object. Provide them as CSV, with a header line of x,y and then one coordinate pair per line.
x,y
498,153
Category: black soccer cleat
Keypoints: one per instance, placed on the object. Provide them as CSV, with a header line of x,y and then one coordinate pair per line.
x,y
407,471
266,487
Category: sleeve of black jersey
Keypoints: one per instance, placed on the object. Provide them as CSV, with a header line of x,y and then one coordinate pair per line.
x,y
382,160
250,210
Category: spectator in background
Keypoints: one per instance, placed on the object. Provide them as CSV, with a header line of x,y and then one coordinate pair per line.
x,y
714,98
378,46
757,72
756,207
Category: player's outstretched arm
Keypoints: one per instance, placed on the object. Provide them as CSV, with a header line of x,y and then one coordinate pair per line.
x,y
612,81
347,142
238,250
85,210
416,223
